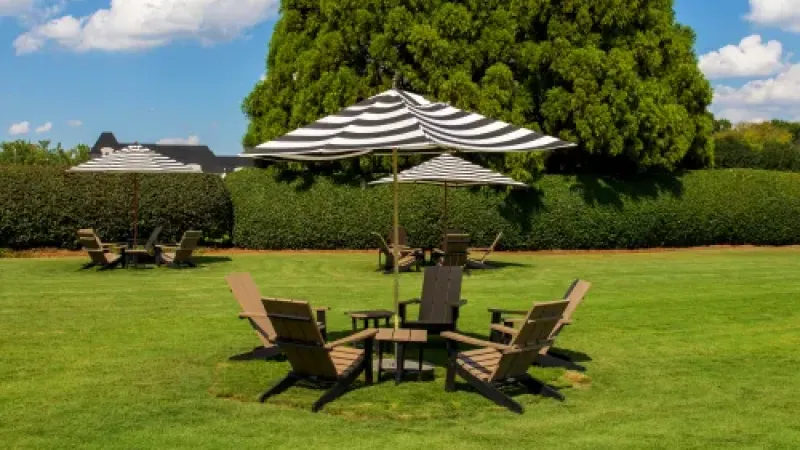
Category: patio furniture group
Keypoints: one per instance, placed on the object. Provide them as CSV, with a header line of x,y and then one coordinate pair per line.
x,y
517,339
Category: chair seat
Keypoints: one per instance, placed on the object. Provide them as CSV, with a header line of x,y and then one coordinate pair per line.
x,y
345,359
481,362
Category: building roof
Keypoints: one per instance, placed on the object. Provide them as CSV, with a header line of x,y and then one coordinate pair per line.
x,y
187,154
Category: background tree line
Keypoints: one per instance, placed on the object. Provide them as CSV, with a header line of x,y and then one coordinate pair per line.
x,y
41,153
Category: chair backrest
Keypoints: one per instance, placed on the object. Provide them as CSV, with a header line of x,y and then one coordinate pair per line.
x,y
246,293
455,249
383,246
533,335
402,233
575,294
89,240
441,288
187,245
299,337
151,242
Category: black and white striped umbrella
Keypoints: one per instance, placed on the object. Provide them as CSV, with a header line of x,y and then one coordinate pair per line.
x,y
406,122
133,159
449,170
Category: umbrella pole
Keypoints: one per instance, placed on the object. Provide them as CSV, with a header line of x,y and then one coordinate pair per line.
x,y
135,207
396,239
444,223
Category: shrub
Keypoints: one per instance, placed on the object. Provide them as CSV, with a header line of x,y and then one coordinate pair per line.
x,y
43,206
561,212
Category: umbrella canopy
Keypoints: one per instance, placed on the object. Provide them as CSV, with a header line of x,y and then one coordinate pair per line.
x,y
133,159
452,171
405,122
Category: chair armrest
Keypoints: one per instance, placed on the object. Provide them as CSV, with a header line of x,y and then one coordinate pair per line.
x,y
508,311
321,308
250,315
479,249
362,335
459,303
409,302
472,341
503,329
166,247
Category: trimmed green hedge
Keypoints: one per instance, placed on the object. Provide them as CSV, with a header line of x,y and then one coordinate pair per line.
x,y
43,206
562,212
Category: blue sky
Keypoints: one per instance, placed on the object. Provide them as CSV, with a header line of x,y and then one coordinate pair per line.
x,y
148,71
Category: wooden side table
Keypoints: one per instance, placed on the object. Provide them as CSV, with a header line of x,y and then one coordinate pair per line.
x,y
401,337
375,315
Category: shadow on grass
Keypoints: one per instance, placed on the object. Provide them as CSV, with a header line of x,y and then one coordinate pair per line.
x,y
202,260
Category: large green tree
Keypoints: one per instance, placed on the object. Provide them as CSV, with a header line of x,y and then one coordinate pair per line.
x,y
619,77
41,153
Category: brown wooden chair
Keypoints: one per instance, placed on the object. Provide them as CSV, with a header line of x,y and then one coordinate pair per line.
x,y
103,255
494,365
575,294
454,250
181,253
409,257
440,301
476,257
247,294
311,358
402,234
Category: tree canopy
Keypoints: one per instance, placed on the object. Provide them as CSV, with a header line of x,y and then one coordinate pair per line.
x,y
41,154
618,77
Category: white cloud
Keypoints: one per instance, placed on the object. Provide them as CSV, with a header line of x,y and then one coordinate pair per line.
x,y
263,76
761,99
137,24
19,128
74,123
750,58
15,7
45,127
784,14
191,140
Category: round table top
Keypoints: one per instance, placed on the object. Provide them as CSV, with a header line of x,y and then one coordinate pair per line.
x,y
371,314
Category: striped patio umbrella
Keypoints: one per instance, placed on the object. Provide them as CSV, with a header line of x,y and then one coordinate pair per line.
x,y
402,123
134,159
451,171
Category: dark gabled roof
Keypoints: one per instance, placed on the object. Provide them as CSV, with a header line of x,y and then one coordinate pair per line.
x,y
187,154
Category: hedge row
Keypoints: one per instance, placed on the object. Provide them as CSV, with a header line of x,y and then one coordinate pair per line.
x,y
43,206
562,212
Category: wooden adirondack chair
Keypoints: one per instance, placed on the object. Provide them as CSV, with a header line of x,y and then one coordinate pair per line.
x,y
454,250
575,294
440,301
247,294
495,365
311,358
482,254
408,256
180,254
99,254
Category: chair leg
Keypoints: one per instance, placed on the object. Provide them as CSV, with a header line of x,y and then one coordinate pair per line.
x,y
88,265
450,377
287,382
337,390
535,386
551,361
491,392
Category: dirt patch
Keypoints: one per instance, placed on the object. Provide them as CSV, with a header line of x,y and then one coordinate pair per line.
x,y
61,253
576,379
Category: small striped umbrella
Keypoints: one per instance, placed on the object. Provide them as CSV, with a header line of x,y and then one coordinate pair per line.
x,y
401,122
451,171
134,159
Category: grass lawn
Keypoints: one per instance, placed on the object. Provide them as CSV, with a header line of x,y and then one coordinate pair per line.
x,y
683,349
